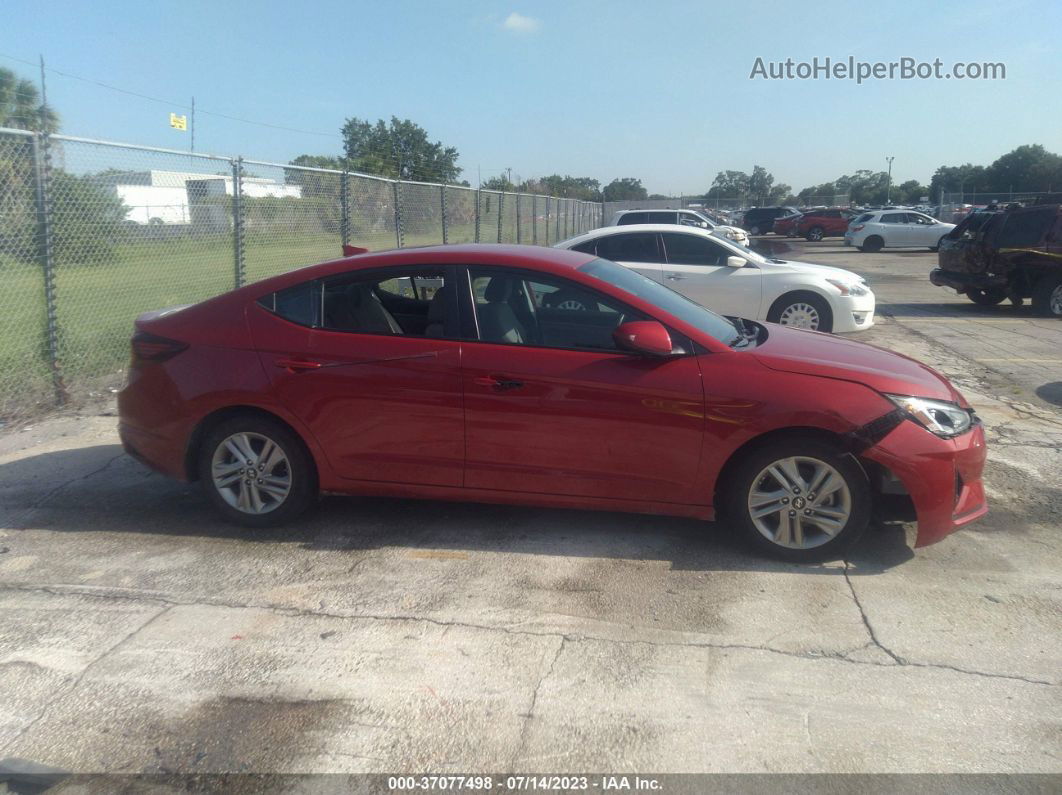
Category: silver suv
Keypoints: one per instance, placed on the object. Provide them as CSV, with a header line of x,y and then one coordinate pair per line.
x,y
683,217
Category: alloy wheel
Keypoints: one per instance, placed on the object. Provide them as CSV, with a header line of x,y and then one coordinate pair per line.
x,y
799,502
800,315
251,472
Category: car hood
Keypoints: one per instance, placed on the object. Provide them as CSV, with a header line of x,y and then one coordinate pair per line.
x,y
828,356
825,271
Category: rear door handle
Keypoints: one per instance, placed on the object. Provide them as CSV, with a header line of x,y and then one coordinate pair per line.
x,y
499,383
675,277
298,365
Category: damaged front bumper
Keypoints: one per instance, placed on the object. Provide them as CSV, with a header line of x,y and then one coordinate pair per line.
x,y
942,476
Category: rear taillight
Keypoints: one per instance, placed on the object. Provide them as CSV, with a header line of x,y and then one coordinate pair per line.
x,y
153,348
857,227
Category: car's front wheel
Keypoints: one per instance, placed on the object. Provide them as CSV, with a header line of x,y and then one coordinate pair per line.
x,y
815,234
802,310
801,499
256,472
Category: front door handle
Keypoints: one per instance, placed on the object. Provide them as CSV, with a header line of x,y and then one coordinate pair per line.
x,y
675,277
298,365
498,383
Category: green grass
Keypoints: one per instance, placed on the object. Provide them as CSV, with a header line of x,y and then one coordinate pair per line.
x,y
96,304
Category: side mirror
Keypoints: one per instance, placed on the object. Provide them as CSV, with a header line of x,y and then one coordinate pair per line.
x,y
643,336
736,262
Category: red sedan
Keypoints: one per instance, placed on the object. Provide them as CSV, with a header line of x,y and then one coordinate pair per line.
x,y
469,373
817,224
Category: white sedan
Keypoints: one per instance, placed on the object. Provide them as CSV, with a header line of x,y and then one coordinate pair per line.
x,y
873,231
734,280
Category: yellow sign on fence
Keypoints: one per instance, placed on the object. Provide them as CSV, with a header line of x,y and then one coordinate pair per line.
x,y
178,122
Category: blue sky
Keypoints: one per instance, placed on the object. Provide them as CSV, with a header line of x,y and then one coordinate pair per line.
x,y
658,91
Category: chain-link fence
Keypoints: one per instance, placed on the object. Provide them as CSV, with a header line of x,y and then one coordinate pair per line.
x,y
93,233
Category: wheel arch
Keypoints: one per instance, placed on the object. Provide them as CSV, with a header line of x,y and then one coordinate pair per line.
x,y
726,472
803,291
212,420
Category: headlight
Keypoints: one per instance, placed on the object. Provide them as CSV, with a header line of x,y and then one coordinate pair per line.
x,y
938,416
849,288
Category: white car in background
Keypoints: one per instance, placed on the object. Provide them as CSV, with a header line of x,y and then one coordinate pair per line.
x,y
734,280
684,217
878,229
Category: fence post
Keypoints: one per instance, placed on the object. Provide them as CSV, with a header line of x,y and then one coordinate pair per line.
x,y
442,209
518,218
398,212
477,213
237,222
344,209
42,176
547,240
534,220
501,208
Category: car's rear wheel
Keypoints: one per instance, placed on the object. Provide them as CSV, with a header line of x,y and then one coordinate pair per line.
x,y
872,244
985,297
1047,295
801,500
256,472
815,234
754,230
802,310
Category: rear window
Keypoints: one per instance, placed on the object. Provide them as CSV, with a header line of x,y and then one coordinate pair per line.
x,y
864,218
299,304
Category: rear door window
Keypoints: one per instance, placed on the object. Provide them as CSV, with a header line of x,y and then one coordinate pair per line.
x,y
632,218
894,218
661,218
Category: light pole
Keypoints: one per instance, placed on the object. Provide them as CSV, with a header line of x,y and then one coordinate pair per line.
x,y
888,184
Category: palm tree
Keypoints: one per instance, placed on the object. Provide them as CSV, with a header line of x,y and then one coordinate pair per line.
x,y
20,105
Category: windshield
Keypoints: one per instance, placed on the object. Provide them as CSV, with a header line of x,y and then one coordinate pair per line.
x,y
681,307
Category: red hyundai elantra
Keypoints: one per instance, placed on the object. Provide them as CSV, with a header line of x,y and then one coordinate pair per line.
x,y
518,374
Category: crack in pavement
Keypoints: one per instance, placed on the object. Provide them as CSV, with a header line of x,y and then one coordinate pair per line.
x,y
567,637
80,677
530,714
866,620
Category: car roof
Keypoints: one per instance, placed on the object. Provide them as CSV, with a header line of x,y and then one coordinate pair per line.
x,y
605,231
502,255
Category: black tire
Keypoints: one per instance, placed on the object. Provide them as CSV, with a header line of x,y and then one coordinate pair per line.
x,y
815,234
747,474
872,244
298,467
779,307
1047,295
754,230
985,297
